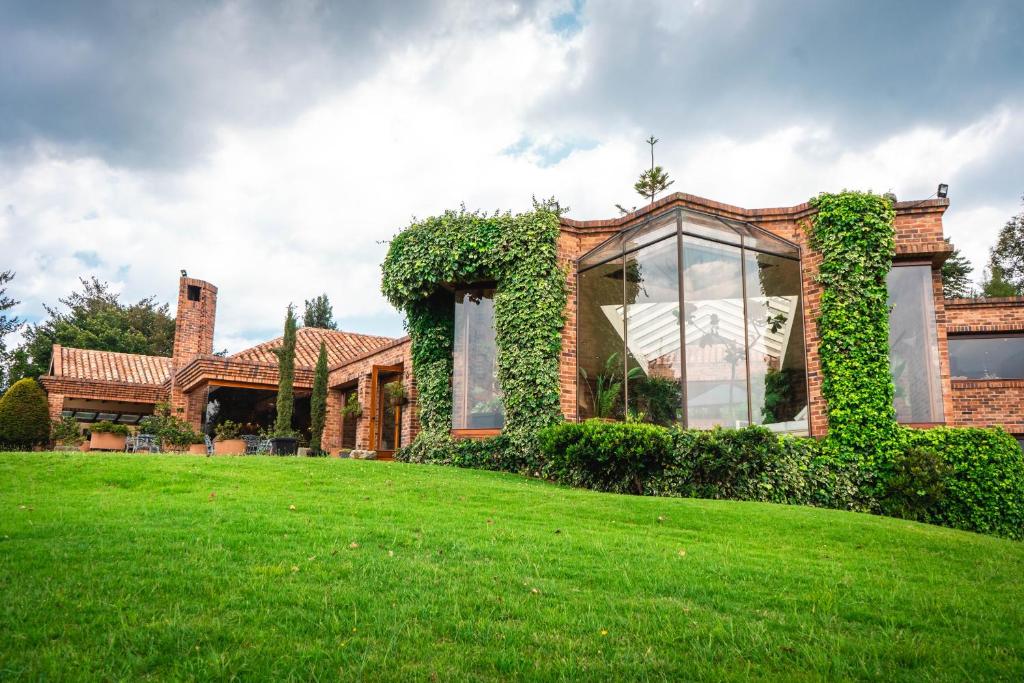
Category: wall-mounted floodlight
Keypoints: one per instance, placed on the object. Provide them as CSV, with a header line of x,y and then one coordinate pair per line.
x,y
943,190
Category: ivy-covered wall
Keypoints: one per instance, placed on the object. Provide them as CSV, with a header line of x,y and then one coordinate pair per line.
x,y
518,253
854,233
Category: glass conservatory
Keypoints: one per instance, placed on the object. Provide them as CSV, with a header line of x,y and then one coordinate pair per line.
x,y
695,320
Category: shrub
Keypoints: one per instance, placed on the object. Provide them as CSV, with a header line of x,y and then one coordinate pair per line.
x,y
170,430
494,454
318,401
24,415
606,456
983,478
227,430
916,487
105,427
66,431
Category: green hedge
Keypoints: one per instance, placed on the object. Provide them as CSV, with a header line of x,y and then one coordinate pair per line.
x,y
24,415
971,479
432,448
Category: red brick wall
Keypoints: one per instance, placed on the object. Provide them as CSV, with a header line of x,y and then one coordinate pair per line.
x,y
980,403
359,371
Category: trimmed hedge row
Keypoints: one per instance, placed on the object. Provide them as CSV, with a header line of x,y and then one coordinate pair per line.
x,y
964,478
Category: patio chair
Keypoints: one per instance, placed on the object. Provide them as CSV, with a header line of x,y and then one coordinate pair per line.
x,y
252,443
146,442
209,444
130,444
264,447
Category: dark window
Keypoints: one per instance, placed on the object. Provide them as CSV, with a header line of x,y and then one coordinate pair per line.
x,y
193,293
987,357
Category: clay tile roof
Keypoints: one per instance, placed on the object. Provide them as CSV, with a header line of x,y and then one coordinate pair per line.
x,y
109,366
341,346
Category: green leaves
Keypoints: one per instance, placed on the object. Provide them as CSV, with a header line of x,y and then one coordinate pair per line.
x,y
519,253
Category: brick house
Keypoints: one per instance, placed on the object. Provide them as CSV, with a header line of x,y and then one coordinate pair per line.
x,y
704,312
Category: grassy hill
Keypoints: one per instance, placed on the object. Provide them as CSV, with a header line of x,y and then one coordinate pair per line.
x,y
129,566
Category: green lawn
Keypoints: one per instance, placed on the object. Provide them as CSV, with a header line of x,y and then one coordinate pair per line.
x,y
126,566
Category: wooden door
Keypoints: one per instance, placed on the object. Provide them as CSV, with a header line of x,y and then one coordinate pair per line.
x,y
385,419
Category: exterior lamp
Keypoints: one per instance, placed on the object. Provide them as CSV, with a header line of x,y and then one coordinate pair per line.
x,y
943,190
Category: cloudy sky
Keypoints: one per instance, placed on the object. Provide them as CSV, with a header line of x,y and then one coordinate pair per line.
x,y
272,148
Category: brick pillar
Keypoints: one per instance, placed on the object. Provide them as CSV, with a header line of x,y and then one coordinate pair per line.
x,y
363,424
193,337
331,439
56,402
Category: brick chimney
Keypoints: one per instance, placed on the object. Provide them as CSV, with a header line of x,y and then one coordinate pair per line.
x,y
193,336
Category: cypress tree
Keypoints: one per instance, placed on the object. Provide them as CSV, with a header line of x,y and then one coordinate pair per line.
x,y
318,401
286,374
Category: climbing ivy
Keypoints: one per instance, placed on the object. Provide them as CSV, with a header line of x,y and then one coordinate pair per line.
x,y
854,233
518,252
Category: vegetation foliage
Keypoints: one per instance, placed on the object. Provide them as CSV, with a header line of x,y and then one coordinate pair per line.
x,y
319,313
107,427
172,432
286,378
7,323
24,415
318,401
518,253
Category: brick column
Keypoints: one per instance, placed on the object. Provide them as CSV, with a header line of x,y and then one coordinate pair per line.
x,y
56,402
331,439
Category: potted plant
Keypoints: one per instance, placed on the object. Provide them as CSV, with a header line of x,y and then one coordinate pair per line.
x,y
198,445
107,436
66,433
228,441
352,408
394,393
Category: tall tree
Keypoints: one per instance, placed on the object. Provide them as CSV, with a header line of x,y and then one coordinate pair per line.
x,y
651,182
286,377
995,284
7,323
94,318
956,271
1007,256
319,313
318,401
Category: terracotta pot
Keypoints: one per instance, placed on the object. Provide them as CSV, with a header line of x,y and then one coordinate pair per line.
x,y
229,447
102,441
197,449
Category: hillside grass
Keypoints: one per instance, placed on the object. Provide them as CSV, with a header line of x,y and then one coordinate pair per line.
x,y
139,566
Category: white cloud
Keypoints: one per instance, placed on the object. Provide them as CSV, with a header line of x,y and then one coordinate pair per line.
x,y
273,215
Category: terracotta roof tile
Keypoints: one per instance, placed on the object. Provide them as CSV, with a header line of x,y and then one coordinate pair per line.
x,y
109,366
341,346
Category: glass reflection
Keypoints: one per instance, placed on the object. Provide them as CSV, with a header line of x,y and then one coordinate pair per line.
x,y
601,329
652,331
775,337
994,357
716,385
476,395
913,345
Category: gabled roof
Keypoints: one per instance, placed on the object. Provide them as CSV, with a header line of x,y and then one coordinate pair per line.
x,y
341,347
109,366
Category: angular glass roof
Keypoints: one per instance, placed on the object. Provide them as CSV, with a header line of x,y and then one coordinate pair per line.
x,y
695,223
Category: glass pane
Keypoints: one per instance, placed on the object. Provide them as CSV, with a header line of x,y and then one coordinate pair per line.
x,y
652,332
476,396
913,344
775,334
600,342
701,225
716,386
759,238
390,413
987,357
605,251
657,229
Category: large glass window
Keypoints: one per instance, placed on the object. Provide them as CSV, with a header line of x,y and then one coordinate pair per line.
x,y
913,344
739,311
775,337
601,335
652,333
716,369
987,357
476,394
